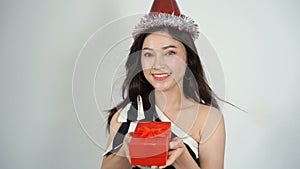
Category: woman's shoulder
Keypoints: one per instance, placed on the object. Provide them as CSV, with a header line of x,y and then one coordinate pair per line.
x,y
114,123
196,118
210,118
205,111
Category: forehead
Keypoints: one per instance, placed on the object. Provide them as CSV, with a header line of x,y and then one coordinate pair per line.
x,y
159,40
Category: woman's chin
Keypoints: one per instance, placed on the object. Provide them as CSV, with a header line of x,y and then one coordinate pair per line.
x,y
162,87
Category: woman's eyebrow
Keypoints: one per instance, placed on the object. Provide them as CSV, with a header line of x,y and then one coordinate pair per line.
x,y
164,48
169,46
147,48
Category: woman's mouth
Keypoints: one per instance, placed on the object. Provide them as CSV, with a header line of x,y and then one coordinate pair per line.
x,y
161,76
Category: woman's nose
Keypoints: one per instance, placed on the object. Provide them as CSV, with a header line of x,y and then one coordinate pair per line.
x,y
158,61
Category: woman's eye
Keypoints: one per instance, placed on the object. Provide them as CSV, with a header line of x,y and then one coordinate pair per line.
x,y
170,53
148,54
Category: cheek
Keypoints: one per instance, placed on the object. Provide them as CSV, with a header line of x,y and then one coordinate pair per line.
x,y
178,65
179,70
147,74
145,67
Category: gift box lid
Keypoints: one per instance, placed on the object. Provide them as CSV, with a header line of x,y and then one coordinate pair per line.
x,y
152,129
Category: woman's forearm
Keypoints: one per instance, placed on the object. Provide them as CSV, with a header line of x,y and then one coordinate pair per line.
x,y
185,161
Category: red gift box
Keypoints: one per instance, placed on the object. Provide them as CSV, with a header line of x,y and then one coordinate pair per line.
x,y
149,144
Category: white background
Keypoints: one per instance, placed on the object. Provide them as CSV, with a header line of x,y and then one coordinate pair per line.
x,y
257,44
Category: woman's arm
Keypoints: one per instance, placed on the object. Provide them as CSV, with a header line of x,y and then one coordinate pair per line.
x,y
119,159
212,150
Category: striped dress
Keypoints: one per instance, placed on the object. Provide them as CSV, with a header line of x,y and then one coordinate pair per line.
x,y
130,116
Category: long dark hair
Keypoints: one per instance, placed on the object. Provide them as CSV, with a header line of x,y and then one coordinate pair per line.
x,y
195,85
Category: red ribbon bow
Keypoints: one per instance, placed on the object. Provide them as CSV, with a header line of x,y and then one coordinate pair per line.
x,y
150,131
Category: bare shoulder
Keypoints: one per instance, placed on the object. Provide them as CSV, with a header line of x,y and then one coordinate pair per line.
x,y
202,118
211,118
114,124
206,111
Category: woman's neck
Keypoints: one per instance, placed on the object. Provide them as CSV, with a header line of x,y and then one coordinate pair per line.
x,y
170,99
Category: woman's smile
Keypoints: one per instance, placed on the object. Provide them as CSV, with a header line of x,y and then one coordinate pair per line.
x,y
161,76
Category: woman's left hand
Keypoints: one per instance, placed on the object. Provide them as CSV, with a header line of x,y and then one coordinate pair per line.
x,y
177,148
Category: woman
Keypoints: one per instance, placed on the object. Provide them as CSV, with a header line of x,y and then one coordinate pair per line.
x,y
165,81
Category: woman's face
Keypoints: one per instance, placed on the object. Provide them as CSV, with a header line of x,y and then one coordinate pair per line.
x,y
163,61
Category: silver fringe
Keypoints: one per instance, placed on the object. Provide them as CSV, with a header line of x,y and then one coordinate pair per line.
x,y
182,23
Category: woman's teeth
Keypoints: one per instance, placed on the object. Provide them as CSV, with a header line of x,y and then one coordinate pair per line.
x,y
161,75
